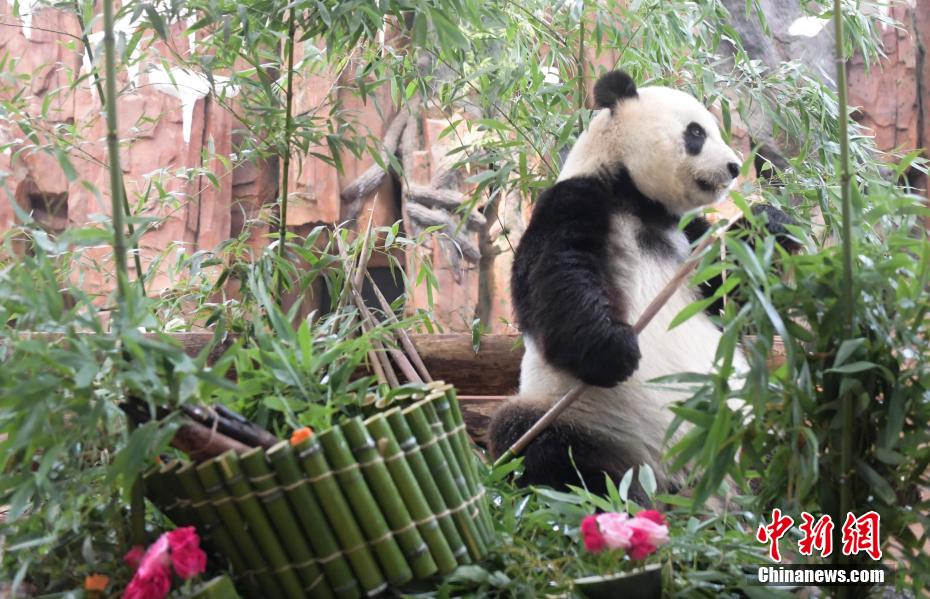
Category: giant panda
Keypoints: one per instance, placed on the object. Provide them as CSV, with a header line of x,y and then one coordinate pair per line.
x,y
600,245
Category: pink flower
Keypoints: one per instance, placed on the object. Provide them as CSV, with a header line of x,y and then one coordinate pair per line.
x,y
188,558
134,556
616,530
647,534
639,536
154,586
152,579
593,539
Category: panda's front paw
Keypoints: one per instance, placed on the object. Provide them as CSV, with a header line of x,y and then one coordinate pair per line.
x,y
613,359
776,223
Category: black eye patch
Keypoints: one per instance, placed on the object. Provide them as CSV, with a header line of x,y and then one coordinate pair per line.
x,y
694,138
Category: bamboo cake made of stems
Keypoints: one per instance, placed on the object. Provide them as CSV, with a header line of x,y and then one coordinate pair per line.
x,y
349,512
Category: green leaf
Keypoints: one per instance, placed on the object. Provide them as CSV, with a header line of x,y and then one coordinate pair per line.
x,y
647,479
690,310
875,481
846,349
624,486
853,368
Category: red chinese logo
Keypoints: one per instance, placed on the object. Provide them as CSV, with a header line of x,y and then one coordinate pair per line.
x,y
861,534
817,535
771,533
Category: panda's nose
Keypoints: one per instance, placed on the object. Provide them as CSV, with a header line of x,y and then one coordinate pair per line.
x,y
733,168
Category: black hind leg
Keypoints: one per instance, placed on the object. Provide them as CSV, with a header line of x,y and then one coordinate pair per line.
x,y
562,454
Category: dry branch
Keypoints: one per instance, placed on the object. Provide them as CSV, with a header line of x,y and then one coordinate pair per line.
x,y
355,193
428,217
445,199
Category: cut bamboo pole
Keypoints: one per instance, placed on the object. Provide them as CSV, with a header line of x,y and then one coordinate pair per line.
x,y
163,490
388,496
449,412
427,483
235,523
212,526
369,516
331,498
684,271
440,468
454,458
262,531
315,526
414,499
264,486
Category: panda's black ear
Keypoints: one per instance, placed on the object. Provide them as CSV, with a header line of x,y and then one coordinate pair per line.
x,y
615,85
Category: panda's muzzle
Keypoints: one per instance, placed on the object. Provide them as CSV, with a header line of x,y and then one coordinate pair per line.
x,y
720,180
705,185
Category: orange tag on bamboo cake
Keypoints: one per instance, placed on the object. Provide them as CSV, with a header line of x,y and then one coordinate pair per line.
x,y
96,583
301,435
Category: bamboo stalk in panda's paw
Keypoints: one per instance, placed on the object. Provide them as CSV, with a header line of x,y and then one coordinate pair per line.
x,y
339,514
261,528
271,496
411,493
314,523
427,483
386,493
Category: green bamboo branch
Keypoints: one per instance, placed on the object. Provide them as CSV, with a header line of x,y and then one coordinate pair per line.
x,y
88,50
116,206
137,489
846,402
286,170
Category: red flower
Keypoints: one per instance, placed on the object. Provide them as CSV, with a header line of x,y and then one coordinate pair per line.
x,y
154,586
188,558
152,579
134,556
652,515
593,539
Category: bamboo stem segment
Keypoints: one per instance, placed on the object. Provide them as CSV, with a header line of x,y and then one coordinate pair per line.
x,y
364,506
212,525
316,528
385,491
339,515
266,489
235,523
240,491
414,499
428,483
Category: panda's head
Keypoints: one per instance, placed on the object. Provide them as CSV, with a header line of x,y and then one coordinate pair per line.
x,y
668,142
